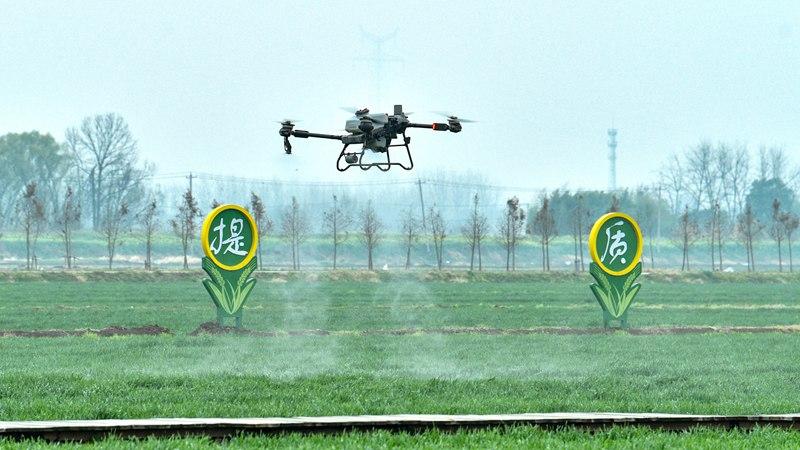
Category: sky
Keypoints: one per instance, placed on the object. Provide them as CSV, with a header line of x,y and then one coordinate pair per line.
x,y
201,84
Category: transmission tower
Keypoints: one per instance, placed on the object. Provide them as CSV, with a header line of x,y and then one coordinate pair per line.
x,y
612,159
377,59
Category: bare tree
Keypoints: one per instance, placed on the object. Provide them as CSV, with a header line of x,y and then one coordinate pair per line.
x,y
112,222
773,163
371,228
67,219
748,228
510,227
687,233
30,211
673,181
647,215
544,225
337,221
104,151
438,233
264,224
149,220
410,228
714,229
777,230
790,224
739,181
474,232
702,179
295,227
184,225
720,229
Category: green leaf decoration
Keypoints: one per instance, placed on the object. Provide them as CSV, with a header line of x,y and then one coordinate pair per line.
x,y
612,299
227,296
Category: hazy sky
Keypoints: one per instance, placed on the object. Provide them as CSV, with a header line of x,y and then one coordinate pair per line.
x,y
201,82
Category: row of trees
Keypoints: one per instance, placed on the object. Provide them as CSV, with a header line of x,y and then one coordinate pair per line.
x,y
708,195
717,198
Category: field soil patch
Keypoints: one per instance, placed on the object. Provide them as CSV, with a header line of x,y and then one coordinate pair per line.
x,y
147,330
215,329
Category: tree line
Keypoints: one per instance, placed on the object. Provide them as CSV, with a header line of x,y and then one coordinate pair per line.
x,y
708,195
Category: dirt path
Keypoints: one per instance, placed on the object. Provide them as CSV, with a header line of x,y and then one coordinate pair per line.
x,y
147,330
213,328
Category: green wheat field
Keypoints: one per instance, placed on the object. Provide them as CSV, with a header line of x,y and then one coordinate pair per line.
x,y
380,344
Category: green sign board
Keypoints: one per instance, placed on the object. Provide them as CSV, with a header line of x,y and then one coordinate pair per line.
x,y
230,240
615,244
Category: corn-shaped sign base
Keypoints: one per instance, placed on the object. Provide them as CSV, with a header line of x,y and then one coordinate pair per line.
x,y
615,244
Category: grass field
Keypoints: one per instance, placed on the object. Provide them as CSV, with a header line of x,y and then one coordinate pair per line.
x,y
350,371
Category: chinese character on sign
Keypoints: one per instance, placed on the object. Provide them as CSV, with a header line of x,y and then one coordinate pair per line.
x,y
615,245
234,241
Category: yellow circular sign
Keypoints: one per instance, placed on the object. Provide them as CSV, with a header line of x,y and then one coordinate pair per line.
x,y
225,238
616,243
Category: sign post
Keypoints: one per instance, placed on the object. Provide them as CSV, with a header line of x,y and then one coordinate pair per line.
x,y
615,244
230,239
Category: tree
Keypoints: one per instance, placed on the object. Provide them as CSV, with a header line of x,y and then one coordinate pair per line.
x,y
410,228
67,219
777,230
647,212
718,226
702,180
150,223
474,231
264,224
673,181
510,226
295,227
31,157
714,228
687,233
738,181
579,218
105,153
790,224
371,228
112,222
732,167
614,206
30,211
184,225
748,228
438,233
544,225
762,194
337,221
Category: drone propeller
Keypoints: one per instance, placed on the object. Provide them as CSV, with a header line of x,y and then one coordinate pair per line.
x,y
453,117
287,122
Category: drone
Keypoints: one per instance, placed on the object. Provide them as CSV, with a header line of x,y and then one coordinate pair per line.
x,y
375,133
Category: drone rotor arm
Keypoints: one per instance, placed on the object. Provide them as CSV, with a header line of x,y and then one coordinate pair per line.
x,y
303,134
433,126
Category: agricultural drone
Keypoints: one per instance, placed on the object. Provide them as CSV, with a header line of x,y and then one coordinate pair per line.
x,y
375,133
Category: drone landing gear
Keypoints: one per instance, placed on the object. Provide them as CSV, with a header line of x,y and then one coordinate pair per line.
x,y
356,159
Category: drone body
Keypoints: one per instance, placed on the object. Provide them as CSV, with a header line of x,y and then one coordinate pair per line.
x,y
375,133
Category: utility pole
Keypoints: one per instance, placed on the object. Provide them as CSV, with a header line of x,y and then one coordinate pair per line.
x,y
422,205
191,177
